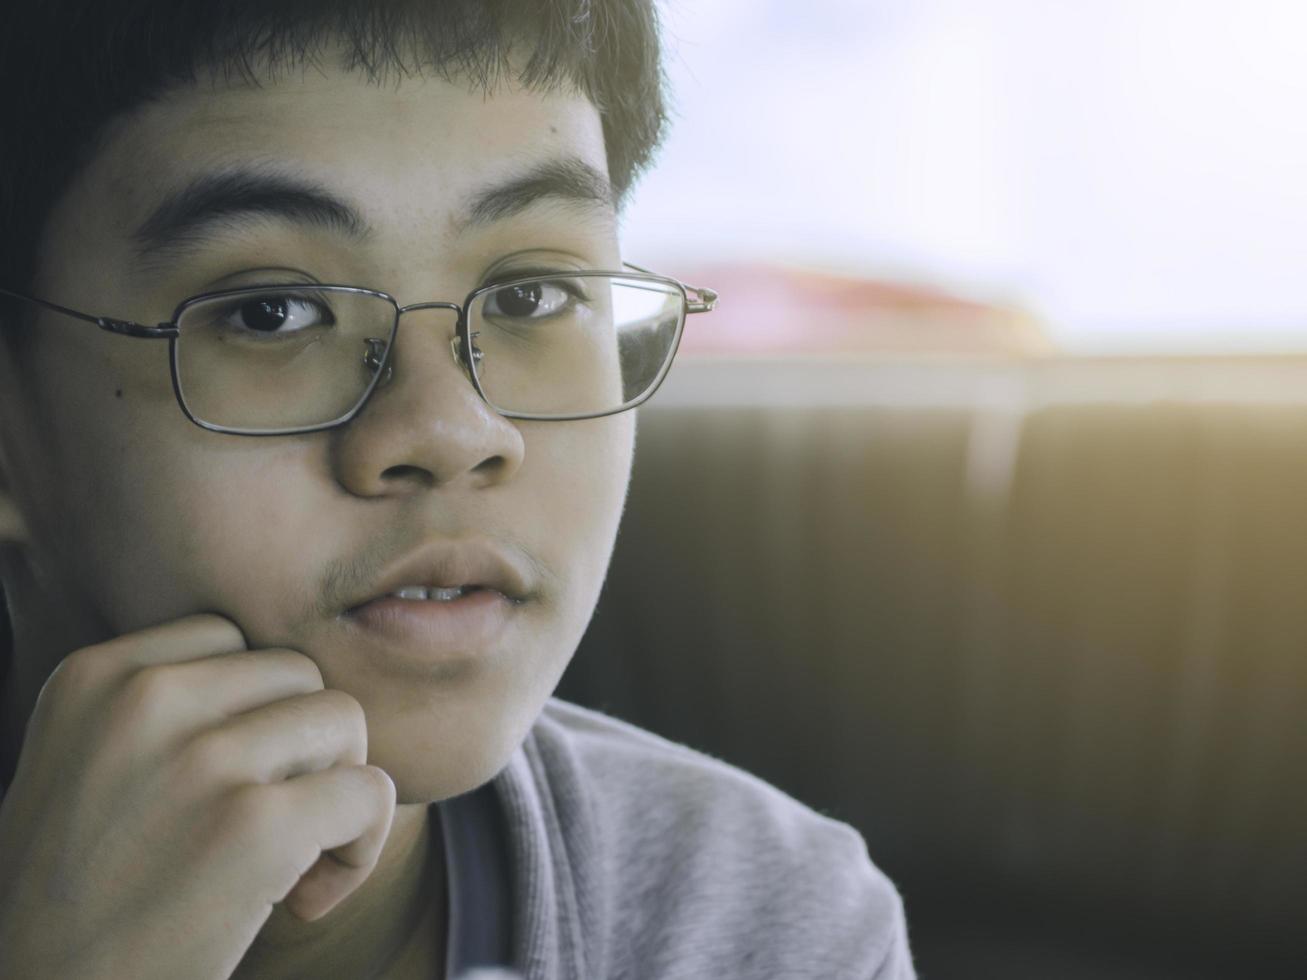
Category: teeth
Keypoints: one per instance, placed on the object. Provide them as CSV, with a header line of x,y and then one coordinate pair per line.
x,y
422,593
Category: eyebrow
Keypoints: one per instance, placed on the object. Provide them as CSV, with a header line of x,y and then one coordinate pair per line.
x,y
184,219
569,179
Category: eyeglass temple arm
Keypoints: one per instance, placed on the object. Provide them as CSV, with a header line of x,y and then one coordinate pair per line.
x,y
112,324
703,300
700,299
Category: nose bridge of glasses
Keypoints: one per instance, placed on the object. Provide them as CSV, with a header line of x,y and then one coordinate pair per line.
x,y
376,349
431,306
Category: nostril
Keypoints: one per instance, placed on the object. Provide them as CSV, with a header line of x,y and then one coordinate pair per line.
x,y
408,473
421,476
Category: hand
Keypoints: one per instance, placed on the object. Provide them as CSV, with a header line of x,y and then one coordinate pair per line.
x,y
172,788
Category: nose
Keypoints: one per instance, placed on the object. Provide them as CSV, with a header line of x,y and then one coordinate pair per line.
x,y
425,425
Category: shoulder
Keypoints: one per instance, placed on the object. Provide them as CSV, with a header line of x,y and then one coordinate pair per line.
x,y
639,773
721,857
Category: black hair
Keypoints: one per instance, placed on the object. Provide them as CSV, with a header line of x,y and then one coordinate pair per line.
x,y
69,67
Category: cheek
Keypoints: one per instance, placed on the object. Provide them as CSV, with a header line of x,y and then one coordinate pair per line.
x,y
103,489
251,530
584,488
172,528
261,522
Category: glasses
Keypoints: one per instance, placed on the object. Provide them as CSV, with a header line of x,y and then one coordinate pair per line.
x,y
303,357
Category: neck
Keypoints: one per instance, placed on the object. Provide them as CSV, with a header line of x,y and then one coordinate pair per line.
x,y
382,924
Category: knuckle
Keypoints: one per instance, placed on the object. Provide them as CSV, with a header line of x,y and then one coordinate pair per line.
x,y
306,666
252,814
380,783
283,660
209,754
239,658
225,635
147,690
312,671
345,707
79,673
342,715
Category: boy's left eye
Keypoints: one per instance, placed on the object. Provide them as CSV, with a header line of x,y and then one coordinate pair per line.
x,y
532,300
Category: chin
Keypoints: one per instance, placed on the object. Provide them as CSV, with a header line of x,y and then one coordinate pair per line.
x,y
449,747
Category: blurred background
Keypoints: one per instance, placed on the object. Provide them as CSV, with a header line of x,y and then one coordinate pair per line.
x,y
976,516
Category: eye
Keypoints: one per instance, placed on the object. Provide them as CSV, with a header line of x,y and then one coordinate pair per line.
x,y
281,314
529,300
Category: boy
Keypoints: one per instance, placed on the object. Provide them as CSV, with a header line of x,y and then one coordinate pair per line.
x,y
317,355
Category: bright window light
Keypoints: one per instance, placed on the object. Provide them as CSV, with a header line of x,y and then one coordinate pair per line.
x,y
1131,172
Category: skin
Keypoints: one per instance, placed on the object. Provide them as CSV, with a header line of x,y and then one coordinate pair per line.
x,y
118,514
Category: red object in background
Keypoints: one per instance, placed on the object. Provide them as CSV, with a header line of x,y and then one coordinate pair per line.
x,y
774,309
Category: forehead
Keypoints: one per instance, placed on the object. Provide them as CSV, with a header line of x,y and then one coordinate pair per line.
x,y
408,155
407,132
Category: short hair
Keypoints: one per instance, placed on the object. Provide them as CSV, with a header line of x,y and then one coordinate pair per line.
x,y
69,67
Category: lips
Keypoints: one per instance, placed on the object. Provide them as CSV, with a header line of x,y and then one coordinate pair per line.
x,y
449,571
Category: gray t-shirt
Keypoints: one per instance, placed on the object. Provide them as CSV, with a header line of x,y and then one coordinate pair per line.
x,y
618,855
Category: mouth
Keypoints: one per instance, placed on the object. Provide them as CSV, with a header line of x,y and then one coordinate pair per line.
x,y
444,600
448,571
433,595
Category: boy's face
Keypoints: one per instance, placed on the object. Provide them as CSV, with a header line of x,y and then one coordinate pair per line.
x,y
137,516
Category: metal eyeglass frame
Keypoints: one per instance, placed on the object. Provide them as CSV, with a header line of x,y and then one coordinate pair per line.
x,y
695,299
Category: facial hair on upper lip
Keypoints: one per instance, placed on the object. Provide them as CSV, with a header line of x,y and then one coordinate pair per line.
x,y
344,580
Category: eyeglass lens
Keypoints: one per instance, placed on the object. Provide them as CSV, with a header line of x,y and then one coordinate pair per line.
x,y
301,356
